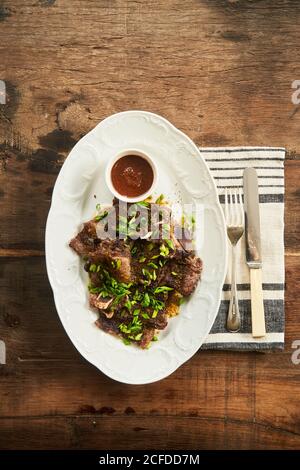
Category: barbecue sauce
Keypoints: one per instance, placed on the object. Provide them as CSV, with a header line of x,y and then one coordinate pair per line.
x,y
132,176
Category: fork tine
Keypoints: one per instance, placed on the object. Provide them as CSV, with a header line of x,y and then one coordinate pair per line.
x,y
237,212
241,207
234,207
233,218
226,205
231,222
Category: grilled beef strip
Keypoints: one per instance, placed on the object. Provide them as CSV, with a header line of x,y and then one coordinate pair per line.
x,y
182,272
115,256
147,337
85,242
101,304
122,316
111,327
107,325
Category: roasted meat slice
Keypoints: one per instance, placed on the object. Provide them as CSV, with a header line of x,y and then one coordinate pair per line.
x,y
86,240
98,302
107,324
160,322
182,273
147,337
115,256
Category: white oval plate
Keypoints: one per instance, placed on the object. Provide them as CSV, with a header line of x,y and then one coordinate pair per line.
x,y
183,177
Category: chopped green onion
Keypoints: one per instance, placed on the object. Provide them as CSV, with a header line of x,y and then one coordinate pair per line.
x,y
93,268
126,341
146,300
123,327
101,216
162,289
145,315
164,251
152,265
132,221
159,199
170,244
143,204
118,263
154,314
146,273
94,290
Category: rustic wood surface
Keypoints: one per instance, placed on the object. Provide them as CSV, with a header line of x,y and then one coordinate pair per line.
x,y
222,72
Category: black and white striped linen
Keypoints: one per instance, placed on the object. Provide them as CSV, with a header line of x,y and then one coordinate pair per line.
x,y
227,165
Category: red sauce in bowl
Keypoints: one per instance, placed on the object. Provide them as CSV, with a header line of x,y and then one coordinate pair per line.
x,y
132,176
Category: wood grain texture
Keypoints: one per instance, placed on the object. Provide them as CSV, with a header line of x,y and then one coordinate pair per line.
x,y
90,432
222,72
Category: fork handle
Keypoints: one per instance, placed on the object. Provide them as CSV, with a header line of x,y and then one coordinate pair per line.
x,y
233,318
257,304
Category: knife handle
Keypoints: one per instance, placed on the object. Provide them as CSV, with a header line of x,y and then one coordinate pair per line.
x,y
257,304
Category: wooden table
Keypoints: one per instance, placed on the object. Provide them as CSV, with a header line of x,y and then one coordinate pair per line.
x,y
222,72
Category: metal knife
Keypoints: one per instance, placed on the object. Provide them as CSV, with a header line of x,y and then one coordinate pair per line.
x,y
253,251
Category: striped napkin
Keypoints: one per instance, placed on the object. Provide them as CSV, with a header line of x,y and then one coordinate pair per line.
x,y
227,165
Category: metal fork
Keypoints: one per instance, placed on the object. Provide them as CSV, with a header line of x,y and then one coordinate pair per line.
x,y
234,215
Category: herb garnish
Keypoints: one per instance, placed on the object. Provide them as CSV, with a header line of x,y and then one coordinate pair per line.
x,y
169,243
164,251
160,289
152,265
93,268
160,199
101,216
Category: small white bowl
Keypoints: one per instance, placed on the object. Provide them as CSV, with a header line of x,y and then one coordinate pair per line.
x,y
110,165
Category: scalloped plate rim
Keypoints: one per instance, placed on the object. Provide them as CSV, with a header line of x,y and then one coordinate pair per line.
x,y
217,205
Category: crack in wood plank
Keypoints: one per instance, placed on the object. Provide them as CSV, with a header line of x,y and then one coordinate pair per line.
x,y
12,253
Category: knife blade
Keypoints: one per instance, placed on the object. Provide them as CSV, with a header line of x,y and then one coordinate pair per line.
x,y
253,250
